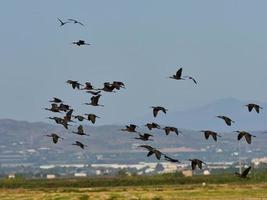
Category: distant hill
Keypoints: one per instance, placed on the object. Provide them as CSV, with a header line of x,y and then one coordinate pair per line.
x,y
204,117
24,142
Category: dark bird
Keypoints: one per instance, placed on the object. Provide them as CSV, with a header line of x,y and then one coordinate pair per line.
x,y
118,84
58,120
68,116
169,129
144,137
244,173
130,128
208,133
167,158
54,108
246,134
76,22
62,23
152,125
156,109
79,117
55,137
80,131
88,86
64,107
191,78
94,101
74,84
178,75
56,100
80,43
91,117
227,120
196,162
255,106
93,92
108,87
77,143
151,151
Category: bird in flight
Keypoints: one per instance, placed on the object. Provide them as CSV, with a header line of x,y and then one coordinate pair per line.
x,y
91,117
152,125
79,117
178,75
130,128
94,101
54,108
255,106
244,173
196,162
80,43
144,137
151,151
56,100
208,133
75,21
62,23
74,84
156,109
169,129
80,131
77,143
245,134
227,120
55,137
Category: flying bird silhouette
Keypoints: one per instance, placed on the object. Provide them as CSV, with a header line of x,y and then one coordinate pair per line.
x,y
56,100
80,131
151,151
178,75
55,137
94,101
130,128
81,145
244,173
152,125
227,120
74,84
169,129
245,134
91,117
255,106
208,133
156,109
196,162
144,137
54,108
80,43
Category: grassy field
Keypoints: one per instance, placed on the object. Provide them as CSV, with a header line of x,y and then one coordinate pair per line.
x,y
211,192
168,186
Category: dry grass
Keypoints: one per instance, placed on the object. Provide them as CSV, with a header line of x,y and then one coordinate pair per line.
x,y
210,192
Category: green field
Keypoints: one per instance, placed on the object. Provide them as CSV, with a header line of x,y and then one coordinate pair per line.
x,y
168,186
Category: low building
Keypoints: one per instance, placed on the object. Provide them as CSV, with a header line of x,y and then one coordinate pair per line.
x,y
50,176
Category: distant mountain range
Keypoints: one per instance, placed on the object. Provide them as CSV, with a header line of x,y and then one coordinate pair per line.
x,y
22,141
204,117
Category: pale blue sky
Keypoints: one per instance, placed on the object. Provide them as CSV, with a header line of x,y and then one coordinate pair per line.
x,y
221,43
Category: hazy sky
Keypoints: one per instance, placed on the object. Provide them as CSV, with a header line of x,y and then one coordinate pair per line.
x,y
221,43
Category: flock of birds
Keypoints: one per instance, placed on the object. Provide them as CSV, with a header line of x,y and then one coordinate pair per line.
x,y
58,106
